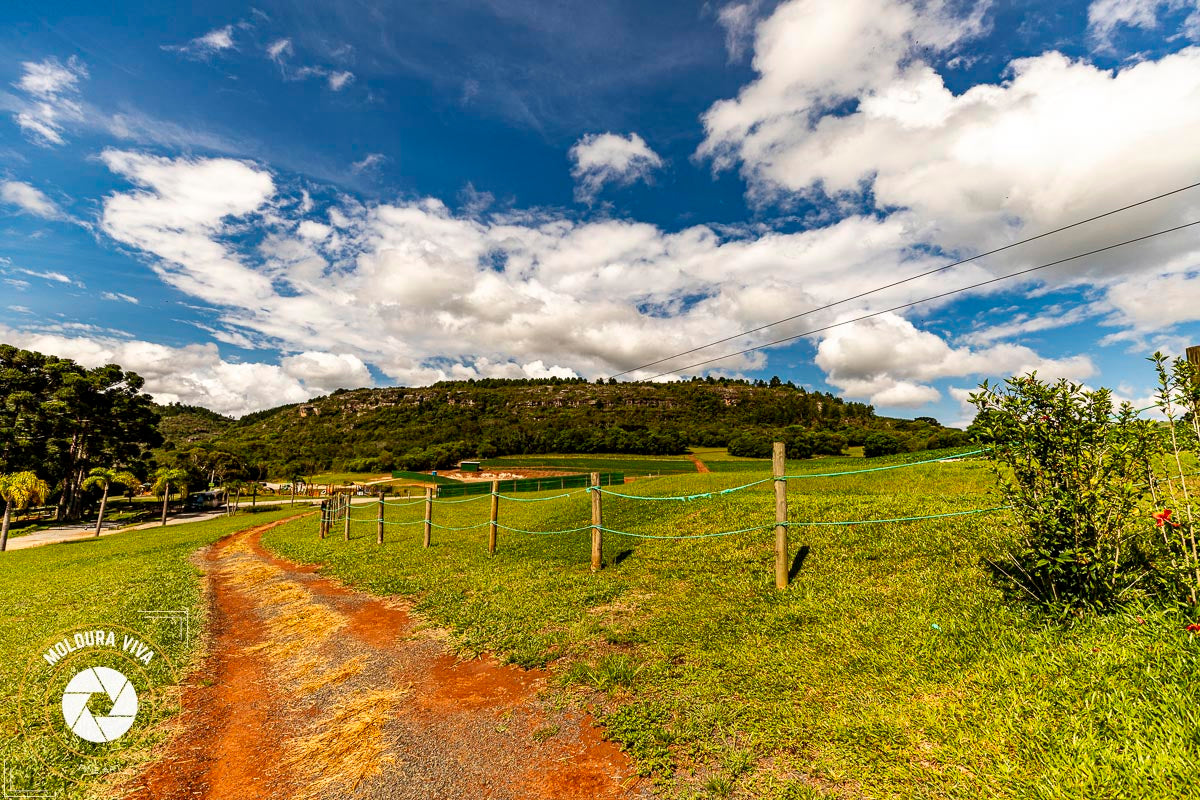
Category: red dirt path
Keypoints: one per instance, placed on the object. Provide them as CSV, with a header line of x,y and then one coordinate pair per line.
x,y
464,729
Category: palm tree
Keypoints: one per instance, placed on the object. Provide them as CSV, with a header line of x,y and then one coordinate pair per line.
x,y
19,490
104,478
296,478
238,486
163,478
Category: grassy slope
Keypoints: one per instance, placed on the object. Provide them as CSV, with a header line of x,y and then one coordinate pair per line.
x,y
892,667
45,590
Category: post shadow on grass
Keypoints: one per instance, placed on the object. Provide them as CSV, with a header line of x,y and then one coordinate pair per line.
x,y
798,562
621,556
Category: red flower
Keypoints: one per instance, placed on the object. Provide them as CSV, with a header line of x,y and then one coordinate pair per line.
x,y
1164,518
1193,628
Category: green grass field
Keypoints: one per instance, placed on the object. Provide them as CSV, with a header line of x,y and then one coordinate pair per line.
x,y
106,581
893,667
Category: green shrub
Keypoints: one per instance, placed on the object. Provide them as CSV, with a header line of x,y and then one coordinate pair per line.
x,y
826,444
882,444
1074,475
750,445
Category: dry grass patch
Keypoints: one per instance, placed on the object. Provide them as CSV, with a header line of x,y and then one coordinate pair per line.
x,y
347,745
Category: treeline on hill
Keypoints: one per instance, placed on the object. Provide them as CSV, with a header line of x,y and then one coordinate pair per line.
x,y
58,420
61,420
436,426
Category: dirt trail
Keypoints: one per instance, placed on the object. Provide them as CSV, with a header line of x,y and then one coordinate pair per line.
x,y
700,465
311,690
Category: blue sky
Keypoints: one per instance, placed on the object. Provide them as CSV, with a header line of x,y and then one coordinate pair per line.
x,y
251,205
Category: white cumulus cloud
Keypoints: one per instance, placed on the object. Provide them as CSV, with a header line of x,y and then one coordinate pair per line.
x,y
890,361
325,372
600,158
178,214
848,98
423,294
197,375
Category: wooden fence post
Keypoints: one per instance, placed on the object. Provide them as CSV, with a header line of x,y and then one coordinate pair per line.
x,y
379,522
495,513
323,519
346,529
778,469
597,523
428,513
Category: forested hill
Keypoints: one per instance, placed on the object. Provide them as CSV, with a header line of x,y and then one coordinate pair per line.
x,y
420,428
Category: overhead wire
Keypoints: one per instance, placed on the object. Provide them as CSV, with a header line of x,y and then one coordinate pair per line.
x,y
902,306
909,279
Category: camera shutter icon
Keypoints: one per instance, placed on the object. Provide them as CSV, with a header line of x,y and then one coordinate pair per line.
x,y
80,719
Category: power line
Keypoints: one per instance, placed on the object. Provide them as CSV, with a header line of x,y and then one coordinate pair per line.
x,y
912,278
927,299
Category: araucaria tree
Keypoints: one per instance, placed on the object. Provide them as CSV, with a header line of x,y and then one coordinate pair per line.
x,y
19,490
105,479
61,420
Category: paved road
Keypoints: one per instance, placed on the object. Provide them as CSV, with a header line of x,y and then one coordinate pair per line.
x,y
86,530
71,533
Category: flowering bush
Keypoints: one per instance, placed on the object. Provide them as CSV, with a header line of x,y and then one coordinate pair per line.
x,y
1178,398
1074,475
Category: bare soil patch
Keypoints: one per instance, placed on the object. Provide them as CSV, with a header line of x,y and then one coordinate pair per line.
x,y
511,473
312,690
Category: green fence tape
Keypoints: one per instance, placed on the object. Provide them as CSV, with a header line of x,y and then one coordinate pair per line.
x,y
541,499
691,536
544,533
900,519
463,528
682,497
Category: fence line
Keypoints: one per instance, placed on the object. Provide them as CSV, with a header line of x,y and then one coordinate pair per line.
x,y
764,526
340,508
